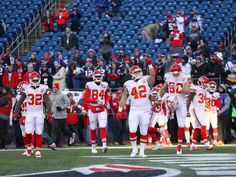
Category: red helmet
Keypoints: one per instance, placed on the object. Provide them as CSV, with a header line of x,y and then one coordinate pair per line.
x,y
97,76
136,72
20,86
212,86
34,79
175,69
203,81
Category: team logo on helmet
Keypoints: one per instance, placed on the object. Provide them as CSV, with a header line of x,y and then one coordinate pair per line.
x,y
136,72
203,81
34,79
20,86
175,69
97,76
212,86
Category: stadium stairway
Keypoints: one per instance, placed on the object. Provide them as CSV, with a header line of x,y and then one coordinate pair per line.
x,y
17,15
218,16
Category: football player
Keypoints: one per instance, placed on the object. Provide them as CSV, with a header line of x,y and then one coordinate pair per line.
x,y
158,116
177,85
197,97
97,97
213,103
137,91
21,116
34,94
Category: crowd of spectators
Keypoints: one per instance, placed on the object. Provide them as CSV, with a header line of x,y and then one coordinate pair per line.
x,y
190,50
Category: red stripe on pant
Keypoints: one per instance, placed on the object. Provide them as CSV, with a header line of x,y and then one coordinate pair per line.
x,y
195,135
103,134
180,135
215,133
39,140
204,134
28,139
132,136
143,139
93,136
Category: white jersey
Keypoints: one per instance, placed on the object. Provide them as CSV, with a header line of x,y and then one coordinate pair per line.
x,y
199,99
139,93
23,106
98,92
34,97
211,101
176,84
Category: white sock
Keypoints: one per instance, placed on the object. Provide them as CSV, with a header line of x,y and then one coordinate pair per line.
x,y
94,146
134,144
104,144
142,147
207,143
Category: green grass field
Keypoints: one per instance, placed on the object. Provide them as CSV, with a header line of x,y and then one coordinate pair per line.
x,y
12,162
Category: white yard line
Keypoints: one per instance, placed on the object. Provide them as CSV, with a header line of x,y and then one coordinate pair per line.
x,y
193,162
214,168
216,173
209,165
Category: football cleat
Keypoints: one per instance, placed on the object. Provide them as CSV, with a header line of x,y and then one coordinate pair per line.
x,y
142,155
25,153
72,139
194,148
158,146
209,147
29,151
134,152
52,146
38,154
104,149
179,149
94,151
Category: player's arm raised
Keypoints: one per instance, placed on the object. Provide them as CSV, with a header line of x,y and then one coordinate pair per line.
x,y
151,79
163,89
19,103
123,99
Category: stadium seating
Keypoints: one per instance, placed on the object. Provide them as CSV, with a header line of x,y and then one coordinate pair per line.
x,y
218,17
17,15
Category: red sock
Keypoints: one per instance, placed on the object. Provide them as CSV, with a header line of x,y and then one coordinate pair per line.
x,y
39,140
143,139
152,132
93,136
215,134
28,138
180,135
132,136
103,134
33,139
195,135
203,133
207,133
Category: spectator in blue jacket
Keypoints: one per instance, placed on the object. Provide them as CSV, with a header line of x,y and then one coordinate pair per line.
x,y
102,7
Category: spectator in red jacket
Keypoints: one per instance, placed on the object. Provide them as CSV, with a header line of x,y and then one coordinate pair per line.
x,y
62,16
114,75
19,69
30,69
48,22
176,40
120,118
10,77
